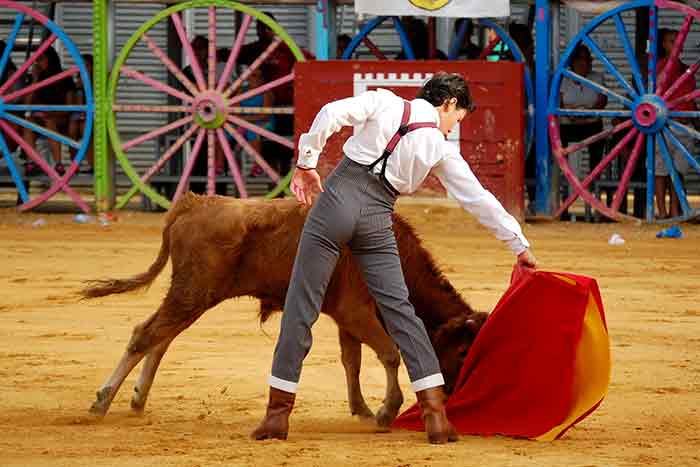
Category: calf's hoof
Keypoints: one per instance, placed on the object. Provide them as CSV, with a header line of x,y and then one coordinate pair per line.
x,y
101,405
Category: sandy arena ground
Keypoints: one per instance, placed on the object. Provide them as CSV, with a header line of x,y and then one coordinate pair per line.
x,y
210,391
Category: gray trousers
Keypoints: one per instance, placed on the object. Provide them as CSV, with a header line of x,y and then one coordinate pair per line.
x,y
355,210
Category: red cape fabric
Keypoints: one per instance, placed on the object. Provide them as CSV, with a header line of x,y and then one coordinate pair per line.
x,y
515,380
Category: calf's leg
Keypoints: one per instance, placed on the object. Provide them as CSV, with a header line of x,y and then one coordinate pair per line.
x,y
351,356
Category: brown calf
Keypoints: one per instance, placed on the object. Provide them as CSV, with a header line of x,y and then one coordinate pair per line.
x,y
223,248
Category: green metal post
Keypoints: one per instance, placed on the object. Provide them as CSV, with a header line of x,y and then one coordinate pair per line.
x,y
104,162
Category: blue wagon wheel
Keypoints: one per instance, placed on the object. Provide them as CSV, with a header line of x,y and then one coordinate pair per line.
x,y
362,38
22,115
655,109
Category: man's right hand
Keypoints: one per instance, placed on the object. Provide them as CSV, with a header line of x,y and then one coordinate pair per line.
x,y
527,259
305,184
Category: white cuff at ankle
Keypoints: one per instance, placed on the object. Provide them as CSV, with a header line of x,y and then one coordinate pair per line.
x,y
428,382
283,385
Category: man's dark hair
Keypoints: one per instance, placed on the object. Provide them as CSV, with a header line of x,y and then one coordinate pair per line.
x,y
444,86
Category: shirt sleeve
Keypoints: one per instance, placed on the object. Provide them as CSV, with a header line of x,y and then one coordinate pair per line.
x,y
332,117
458,179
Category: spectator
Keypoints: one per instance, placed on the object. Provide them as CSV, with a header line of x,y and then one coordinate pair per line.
x,y
255,79
418,37
575,95
58,93
662,179
468,50
496,49
76,125
280,63
342,43
10,69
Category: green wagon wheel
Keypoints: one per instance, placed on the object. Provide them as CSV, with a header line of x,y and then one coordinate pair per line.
x,y
211,105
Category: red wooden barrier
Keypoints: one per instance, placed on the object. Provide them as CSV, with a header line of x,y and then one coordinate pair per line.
x,y
491,139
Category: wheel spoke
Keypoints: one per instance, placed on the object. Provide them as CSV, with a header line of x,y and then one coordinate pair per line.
x,y
683,78
676,142
40,130
190,164
684,114
211,163
592,113
34,156
677,185
627,173
675,53
235,50
10,44
403,37
685,129
41,84
169,64
253,66
261,131
136,108
683,99
261,110
574,147
172,150
251,150
187,47
233,166
131,73
629,52
608,64
652,47
44,108
597,87
599,168
374,50
261,89
212,51
25,66
14,172
157,132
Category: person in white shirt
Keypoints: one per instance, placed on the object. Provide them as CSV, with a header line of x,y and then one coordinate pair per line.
x,y
396,143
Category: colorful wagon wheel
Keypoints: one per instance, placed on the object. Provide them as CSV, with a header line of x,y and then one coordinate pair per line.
x,y
654,114
213,109
362,37
22,114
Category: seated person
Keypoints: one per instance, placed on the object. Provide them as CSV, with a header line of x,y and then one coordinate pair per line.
x,y
76,126
417,32
46,66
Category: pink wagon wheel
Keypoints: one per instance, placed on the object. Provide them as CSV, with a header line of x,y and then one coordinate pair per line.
x,y
653,115
20,116
214,109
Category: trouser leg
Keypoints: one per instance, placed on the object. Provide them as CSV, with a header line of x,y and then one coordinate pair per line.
x,y
374,248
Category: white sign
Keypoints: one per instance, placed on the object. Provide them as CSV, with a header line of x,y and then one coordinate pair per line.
x,y
442,8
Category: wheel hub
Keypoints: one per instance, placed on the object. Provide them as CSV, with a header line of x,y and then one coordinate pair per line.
x,y
650,114
209,110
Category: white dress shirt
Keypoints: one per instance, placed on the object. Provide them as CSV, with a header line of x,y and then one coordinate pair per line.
x,y
376,115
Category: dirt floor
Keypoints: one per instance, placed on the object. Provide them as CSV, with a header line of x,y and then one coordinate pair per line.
x,y
211,389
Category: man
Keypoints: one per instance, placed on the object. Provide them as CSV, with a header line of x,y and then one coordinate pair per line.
x,y
354,208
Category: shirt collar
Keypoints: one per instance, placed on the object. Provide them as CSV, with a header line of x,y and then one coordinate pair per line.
x,y
430,111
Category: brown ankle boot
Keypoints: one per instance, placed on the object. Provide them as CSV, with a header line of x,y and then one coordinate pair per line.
x,y
276,422
437,426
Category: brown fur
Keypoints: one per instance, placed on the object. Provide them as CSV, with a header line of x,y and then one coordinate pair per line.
x,y
222,248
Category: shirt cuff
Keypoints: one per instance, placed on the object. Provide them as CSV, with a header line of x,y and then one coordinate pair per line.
x,y
308,158
518,245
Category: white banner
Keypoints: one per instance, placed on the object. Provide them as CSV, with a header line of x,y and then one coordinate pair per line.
x,y
596,7
443,8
